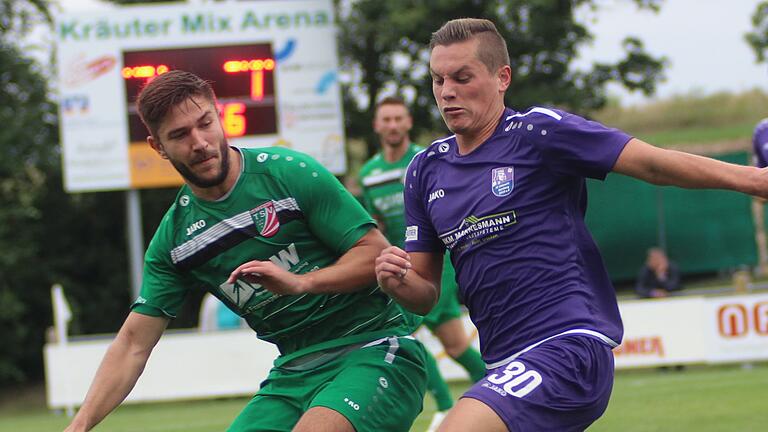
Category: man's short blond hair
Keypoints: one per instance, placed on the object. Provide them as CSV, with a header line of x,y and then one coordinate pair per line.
x,y
492,49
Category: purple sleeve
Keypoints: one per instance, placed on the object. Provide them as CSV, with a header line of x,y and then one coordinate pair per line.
x,y
574,146
420,235
760,144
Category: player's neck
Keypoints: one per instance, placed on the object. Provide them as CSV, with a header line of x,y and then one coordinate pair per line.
x,y
214,193
394,154
469,141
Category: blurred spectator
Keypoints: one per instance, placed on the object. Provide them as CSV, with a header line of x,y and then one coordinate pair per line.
x,y
658,277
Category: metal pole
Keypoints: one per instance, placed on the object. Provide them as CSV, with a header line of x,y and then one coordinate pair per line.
x,y
135,240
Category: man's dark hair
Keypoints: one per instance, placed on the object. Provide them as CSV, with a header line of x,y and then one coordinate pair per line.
x,y
165,92
391,100
492,48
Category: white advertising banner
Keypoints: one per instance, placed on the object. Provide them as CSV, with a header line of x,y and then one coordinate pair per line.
x,y
272,64
659,332
737,328
182,366
662,332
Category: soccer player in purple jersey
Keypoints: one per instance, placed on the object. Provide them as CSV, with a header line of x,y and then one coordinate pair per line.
x,y
506,197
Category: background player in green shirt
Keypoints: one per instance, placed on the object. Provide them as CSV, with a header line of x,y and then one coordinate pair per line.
x,y
381,181
278,239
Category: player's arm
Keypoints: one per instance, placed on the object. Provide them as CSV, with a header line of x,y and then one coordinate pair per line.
x,y
120,369
412,279
351,272
669,167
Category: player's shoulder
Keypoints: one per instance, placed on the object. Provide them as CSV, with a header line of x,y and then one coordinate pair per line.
x,y
370,165
762,126
278,162
436,150
539,117
177,214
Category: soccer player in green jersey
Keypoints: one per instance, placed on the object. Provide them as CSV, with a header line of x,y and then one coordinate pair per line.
x,y
381,181
279,240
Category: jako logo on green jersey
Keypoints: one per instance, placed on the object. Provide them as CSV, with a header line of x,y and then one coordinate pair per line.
x,y
195,226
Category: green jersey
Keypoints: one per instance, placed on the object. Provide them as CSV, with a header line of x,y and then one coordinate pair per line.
x,y
286,208
382,186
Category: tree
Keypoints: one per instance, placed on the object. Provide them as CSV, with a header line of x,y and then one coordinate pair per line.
x,y
758,37
26,142
384,44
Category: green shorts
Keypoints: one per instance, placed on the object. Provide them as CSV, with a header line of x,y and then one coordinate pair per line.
x,y
377,388
447,307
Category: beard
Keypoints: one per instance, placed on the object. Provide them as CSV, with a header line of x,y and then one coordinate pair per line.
x,y
394,140
196,180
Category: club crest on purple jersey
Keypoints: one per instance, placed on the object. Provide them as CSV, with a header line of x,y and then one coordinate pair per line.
x,y
502,181
265,219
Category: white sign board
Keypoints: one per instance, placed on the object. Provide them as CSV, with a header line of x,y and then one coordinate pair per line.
x,y
737,328
182,366
662,332
658,332
273,66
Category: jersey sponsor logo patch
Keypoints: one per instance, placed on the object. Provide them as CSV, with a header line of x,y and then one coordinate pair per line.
x,y
239,292
502,181
411,233
476,230
265,219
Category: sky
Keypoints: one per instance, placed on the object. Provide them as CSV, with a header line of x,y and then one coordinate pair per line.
x,y
703,40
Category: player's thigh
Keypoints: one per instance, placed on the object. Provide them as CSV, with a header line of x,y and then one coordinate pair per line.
x,y
282,399
379,388
447,307
267,413
472,415
453,336
561,385
322,419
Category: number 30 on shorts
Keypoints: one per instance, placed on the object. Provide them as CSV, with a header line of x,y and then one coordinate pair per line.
x,y
516,380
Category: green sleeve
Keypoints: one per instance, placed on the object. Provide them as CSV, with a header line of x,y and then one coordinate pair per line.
x,y
163,289
332,213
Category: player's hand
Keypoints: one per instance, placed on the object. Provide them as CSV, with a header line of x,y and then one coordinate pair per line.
x,y
392,267
270,276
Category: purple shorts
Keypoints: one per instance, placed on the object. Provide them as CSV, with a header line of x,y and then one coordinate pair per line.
x,y
561,385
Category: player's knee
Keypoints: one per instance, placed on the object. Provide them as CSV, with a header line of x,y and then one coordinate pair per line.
x,y
455,348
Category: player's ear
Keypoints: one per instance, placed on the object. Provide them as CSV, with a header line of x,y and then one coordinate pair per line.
x,y
504,76
157,146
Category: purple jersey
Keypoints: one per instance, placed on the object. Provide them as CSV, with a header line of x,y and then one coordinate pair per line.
x,y
760,144
511,213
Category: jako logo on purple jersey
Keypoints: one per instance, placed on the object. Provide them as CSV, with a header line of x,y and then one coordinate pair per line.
x,y
502,181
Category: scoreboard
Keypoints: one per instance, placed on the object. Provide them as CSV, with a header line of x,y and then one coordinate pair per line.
x,y
242,75
273,69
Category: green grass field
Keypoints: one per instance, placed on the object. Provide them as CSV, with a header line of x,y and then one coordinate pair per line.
x,y
728,398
